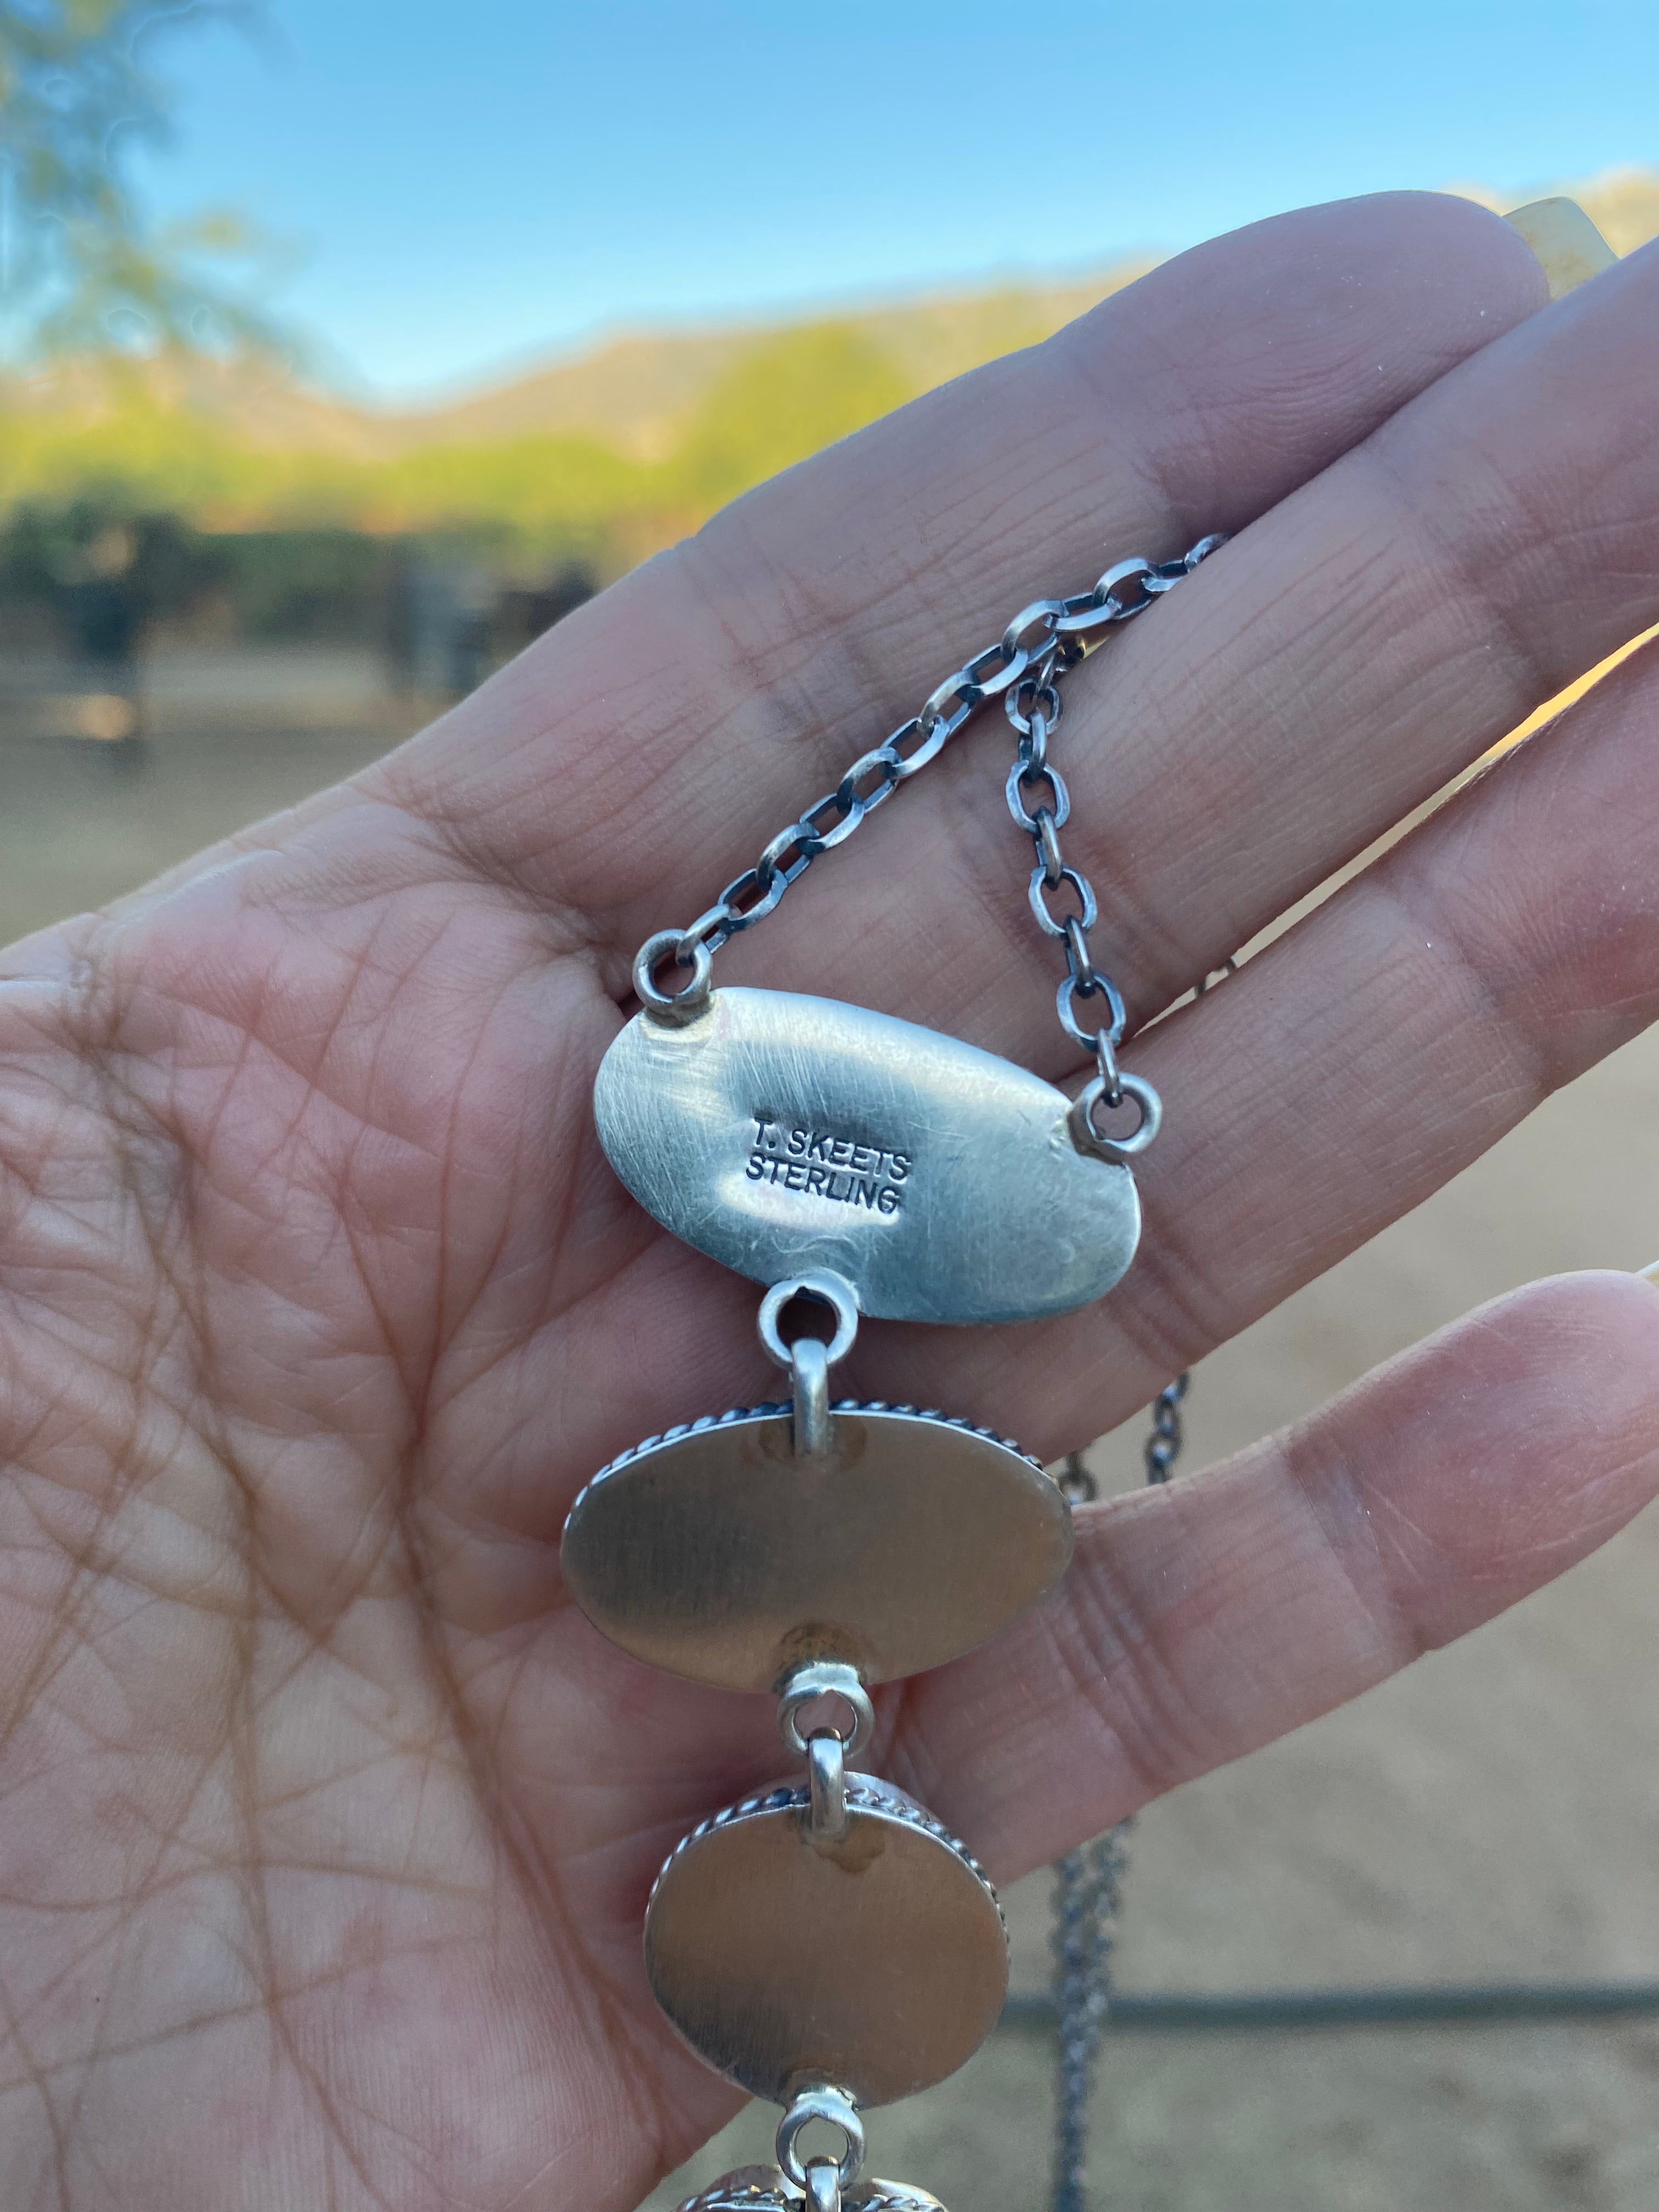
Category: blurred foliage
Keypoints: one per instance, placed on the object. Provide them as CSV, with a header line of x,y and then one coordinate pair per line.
x,y
538,495
789,398
312,584
81,270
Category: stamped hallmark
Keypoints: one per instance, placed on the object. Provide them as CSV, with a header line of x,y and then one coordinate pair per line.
x,y
823,1165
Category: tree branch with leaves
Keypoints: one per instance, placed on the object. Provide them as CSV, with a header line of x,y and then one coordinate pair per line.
x,y
81,268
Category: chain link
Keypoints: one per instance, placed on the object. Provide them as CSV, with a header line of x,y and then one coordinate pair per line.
x,y
1162,1447
1040,805
1089,1887
1042,644
1159,1453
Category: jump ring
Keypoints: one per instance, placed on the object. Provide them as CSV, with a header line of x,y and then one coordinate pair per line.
x,y
836,2109
825,1678
675,1007
830,1290
1080,1118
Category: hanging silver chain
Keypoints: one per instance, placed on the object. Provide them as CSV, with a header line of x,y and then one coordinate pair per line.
x,y
1042,805
1162,1447
1089,1882
1042,642
1089,1885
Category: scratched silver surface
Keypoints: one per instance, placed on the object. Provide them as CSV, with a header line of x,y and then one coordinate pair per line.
x,y
779,1133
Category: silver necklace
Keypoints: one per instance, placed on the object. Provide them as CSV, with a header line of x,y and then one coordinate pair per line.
x,y
827,1943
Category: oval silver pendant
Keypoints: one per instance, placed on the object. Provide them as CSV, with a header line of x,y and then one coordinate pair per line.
x,y
715,1552
764,2189
878,1962
780,1133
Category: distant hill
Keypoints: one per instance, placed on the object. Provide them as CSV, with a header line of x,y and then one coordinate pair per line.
x,y
602,455
634,392
637,390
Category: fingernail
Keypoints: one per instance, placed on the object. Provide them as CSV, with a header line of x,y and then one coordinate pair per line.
x,y
1570,247
1650,1274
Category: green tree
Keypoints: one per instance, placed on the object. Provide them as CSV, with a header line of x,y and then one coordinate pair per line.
x,y
79,267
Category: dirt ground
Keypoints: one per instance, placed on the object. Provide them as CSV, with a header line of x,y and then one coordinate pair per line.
x,y
1491,1815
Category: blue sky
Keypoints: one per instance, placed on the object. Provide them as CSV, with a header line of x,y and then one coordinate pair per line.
x,y
467,188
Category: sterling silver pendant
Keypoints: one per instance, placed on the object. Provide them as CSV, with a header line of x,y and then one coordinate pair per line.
x,y
782,1134
828,1943
720,1552
874,1958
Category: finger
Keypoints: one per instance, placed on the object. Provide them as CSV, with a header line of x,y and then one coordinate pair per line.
x,y
635,758
1317,680
1205,1620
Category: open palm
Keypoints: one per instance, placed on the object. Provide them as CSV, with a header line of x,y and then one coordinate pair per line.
x,y
326,1821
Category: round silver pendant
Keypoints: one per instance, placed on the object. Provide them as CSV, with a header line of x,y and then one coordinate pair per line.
x,y
766,2189
878,1962
717,1552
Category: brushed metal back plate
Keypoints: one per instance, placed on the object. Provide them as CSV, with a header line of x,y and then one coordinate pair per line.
x,y
780,1133
717,1554
879,1963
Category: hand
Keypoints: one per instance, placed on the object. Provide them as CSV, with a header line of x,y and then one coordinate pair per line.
x,y
327,1823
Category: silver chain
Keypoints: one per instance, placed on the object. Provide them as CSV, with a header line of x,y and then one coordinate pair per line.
x,y
1034,706
1042,643
1163,1447
1089,1882
1089,1887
